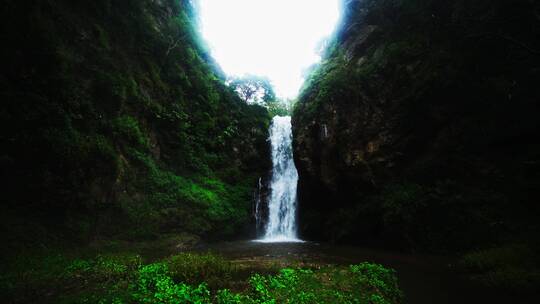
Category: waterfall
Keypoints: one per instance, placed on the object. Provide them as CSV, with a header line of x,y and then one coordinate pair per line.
x,y
258,211
281,225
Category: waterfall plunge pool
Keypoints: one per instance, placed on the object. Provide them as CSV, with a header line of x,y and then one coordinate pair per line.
x,y
425,279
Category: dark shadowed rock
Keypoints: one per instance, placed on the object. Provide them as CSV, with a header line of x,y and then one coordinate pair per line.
x,y
419,128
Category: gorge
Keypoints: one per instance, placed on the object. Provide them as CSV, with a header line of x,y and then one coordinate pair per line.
x,y
135,170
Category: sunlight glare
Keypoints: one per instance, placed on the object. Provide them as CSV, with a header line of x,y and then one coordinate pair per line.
x,y
273,38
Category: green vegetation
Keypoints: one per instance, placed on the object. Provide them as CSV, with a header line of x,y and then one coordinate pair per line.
x,y
118,124
258,90
513,267
401,108
362,283
253,89
126,278
280,107
413,127
201,268
418,127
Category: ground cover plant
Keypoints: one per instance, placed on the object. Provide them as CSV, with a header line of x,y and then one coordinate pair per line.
x,y
189,278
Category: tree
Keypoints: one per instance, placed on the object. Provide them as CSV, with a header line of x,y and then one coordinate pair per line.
x,y
280,107
253,89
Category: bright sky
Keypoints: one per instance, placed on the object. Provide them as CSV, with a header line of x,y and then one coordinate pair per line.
x,y
273,38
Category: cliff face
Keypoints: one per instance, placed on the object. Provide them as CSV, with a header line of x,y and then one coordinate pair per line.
x,y
116,122
419,126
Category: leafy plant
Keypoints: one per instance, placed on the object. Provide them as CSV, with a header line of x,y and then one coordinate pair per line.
x,y
197,268
362,283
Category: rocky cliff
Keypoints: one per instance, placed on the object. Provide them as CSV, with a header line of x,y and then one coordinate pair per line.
x,y
116,122
420,126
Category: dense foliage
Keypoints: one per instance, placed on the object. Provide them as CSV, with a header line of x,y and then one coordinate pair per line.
x,y
253,89
126,278
258,90
117,123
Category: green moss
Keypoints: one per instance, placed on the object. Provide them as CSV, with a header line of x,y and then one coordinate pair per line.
x,y
128,127
208,202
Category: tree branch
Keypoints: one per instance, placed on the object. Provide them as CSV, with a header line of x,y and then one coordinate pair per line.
x,y
173,45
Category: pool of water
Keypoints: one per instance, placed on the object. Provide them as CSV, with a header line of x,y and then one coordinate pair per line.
x,y
423,279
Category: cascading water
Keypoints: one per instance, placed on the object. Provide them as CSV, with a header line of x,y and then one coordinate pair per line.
x,y
258,211
281,226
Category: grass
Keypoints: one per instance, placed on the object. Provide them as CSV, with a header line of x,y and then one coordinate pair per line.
x,y
108,276
208,268
515,268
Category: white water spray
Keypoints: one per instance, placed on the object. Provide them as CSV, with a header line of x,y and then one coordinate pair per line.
x,y
281,225
258,211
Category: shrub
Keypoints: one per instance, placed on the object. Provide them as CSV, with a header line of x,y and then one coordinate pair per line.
x,y
225,296
154,285
122,278
513,267
208,202
197,268
362,283
379,284
401,202
103,268
128,127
